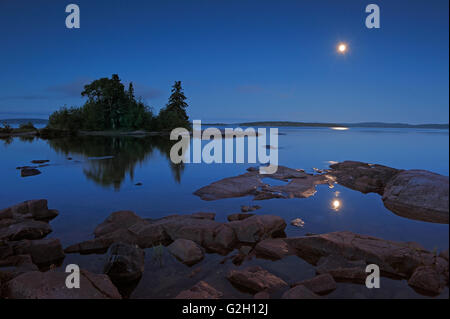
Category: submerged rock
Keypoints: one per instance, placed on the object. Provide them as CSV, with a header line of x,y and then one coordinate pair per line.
x,y
246,209
332,262
52,285
256,279
186,251
300,292
321,285
343,270
125,263
419,195
201,290
356,275
262,295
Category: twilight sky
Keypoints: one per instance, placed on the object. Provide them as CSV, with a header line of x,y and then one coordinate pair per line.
x,y
239,60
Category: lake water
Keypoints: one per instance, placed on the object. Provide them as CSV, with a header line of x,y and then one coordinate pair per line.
x,y
102,175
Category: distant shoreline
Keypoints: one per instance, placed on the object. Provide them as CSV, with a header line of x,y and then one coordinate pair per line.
x,y
267,124
312,124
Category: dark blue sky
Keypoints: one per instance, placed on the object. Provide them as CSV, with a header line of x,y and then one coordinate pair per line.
x,y
238,59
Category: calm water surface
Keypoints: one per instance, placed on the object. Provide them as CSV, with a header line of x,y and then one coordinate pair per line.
x,y
101,176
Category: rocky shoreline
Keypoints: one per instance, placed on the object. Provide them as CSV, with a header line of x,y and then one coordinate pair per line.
x,y
29,262
338,257
414,194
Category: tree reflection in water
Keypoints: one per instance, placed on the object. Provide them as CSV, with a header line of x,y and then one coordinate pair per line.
x,y
110,159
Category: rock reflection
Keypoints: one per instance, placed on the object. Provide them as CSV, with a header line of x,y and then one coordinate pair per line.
x,y
115,158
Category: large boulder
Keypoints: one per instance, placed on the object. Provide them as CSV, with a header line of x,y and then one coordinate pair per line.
x,y
125,263
363,177
238,186
186,251
6,249
274,249
201,290
396,258
52,285
420,195
14,266
150,234
117,220
256,279
25,229
44,252
6,214
211,235
427,279
257,228
32,209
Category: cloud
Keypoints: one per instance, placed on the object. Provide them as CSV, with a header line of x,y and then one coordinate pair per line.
x,y
66,90
24,114
71,89
146,92
250,88
27,97
74,88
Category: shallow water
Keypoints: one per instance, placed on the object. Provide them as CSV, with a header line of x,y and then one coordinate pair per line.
x,y
100,178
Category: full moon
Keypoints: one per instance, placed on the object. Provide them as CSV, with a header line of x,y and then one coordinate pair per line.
x,y
342,48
